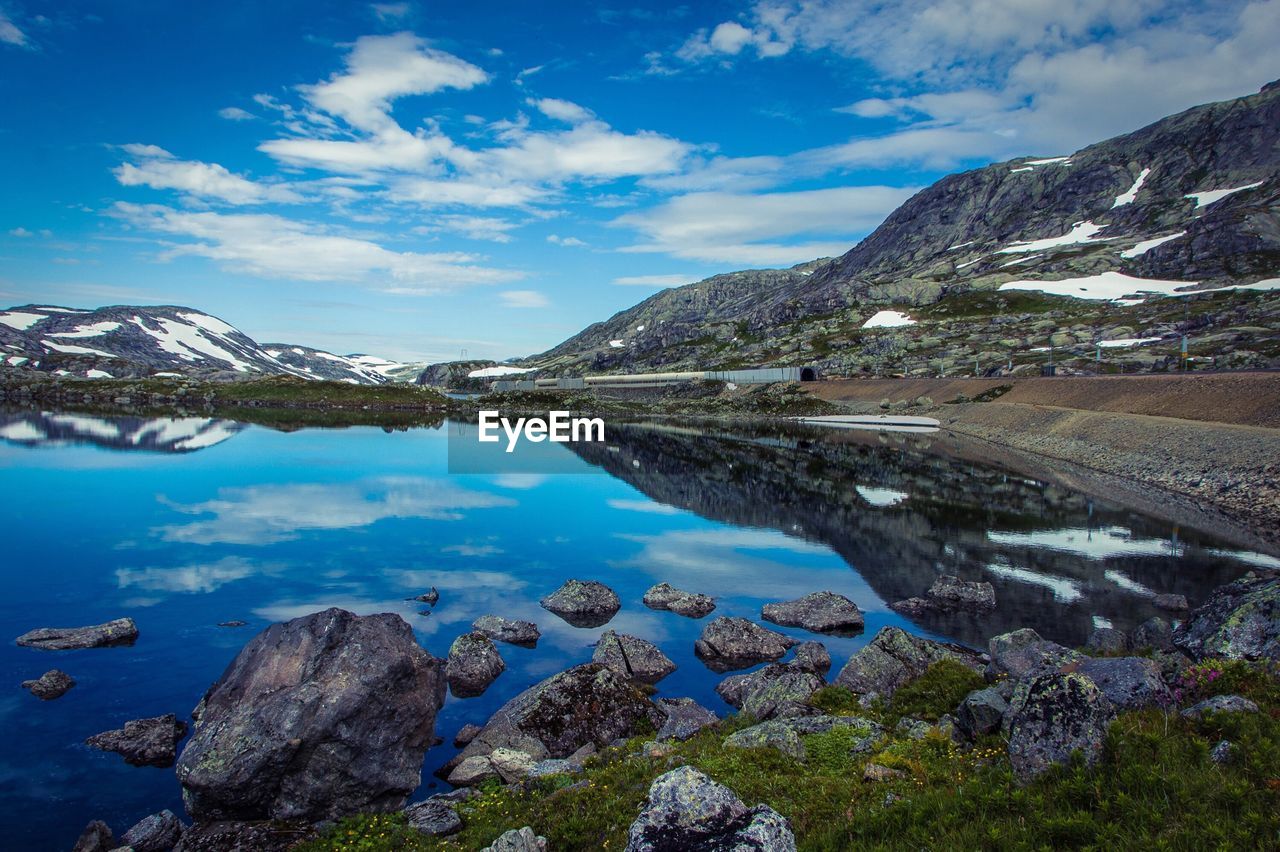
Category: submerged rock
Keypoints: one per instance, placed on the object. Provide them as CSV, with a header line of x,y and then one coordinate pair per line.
x,y
518,840
688,604
156,833
687,810
52,684
473,664
773,734
588,704
894,658
685,717
144,742
736,643
316,718
507,630
583,604
96,837
1051,717
633,657
1239,621
233,623
820,612
121,631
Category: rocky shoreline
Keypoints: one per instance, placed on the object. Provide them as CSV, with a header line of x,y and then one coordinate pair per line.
x,y
329,717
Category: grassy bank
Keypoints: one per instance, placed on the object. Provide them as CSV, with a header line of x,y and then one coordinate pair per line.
x,y
1155,787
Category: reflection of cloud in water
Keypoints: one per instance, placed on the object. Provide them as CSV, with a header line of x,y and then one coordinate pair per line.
x,y
520,481
468,549
421,579
1101,543
265,514
1064,590
647,506
1261,560
881,498
1129,585
716,560
286,610
190,578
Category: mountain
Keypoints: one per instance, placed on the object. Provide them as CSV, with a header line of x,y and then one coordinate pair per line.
x,y
1191,201
129,341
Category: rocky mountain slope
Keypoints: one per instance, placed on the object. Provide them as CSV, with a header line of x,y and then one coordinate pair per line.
x,y
1020,251
128,341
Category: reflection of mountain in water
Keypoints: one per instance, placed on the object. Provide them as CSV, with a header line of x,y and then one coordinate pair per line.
x,y
901,515
148,434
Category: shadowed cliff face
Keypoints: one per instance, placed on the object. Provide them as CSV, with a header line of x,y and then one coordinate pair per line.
x,y
901,515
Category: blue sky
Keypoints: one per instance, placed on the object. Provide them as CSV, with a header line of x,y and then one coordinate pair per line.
x,y
415,179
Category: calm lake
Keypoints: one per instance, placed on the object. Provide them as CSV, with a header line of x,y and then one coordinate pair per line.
x,y
185,523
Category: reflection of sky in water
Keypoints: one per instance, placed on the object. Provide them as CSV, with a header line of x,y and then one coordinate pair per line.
x,y
267,526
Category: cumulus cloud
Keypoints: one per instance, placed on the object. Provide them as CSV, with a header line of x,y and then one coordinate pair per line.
x,y
159,169
762,230
236,114
486,228
277,247
561,110
9,32
570,242
524,299
655,281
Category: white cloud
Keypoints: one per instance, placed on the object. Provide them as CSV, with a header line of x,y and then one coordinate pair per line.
x,y
570,242
159,170
236,114
9,32
475,227
655,280
723,227
388,12
560,110
276,247
21,232
523,299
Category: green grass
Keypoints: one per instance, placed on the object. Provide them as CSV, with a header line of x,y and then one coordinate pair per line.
x,y
1155,786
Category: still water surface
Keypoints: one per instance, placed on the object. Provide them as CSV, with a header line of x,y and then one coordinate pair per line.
x,y
186,523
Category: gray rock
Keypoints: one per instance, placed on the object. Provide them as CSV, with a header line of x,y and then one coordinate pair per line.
x,y
1130,683
812,657
805,725
773,734
121,631
981,712
473,664
1223,753
820,612
912,729
524,633
436,817
233,623
96,837
466,734
518,840
511,764
736,643
156,833
1170,602
316,718
1022,654
1239,621
950,592
50,685
143,742
588,704
1107,640
583,604
687,810
1052,716
1153,633
782,693
554,766
472,770
685,717
688,604
231,836
1220,704
894,658
431,598
874,773
632,657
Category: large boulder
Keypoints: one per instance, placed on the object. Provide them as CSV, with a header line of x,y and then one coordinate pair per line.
x,y
633,657
144,742
1107,640
1154,633
1023,654
316,718
780,693
820,612
687,810
689,604
588,704
812,657
1051,717
1239,621
948,594
256,836
894,658
518,840
685,717
121,631
50,685
1220,704
981,712
736,643
583,604
1130,683
772,734
156,833
473,664
515,632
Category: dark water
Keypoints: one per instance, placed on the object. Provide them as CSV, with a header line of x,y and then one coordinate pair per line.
x,y
182,524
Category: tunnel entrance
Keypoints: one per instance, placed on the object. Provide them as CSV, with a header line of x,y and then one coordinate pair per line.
x,y
808,374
